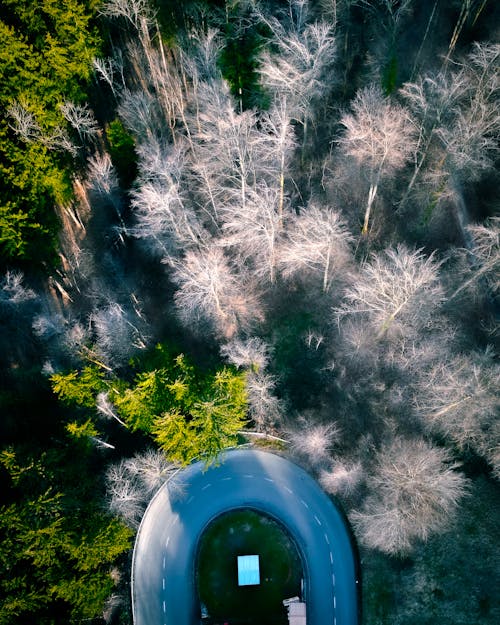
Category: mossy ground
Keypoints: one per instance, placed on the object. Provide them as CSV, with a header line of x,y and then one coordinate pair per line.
x,y
245,532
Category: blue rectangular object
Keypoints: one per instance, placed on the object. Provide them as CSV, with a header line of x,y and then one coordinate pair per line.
x,y
248,571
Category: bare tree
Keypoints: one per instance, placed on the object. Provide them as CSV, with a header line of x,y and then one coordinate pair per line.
x,y
396,292
297,70
264,407
12,289
458,121
460,400
163,216
483,258
81,119
253,232
209,291
152,469
126,496
101,174
314,441
317,243
342,478
25,123
252,353
106,408
414,491
379,136
117,333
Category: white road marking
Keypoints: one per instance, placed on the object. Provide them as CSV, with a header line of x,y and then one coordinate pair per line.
x,y
304,504
247,475
176,518
167,541
206,486
163,583
190,499
227,479
164,607
334,602
333,579
287,489
317,520
164,562
327,539
268,479
331,557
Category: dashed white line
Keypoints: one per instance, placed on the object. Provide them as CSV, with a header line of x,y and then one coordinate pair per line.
x,y
206,486
334,602
167,541
304,503
190,499
227,479
331,557
163,583
327,539
164,607
287,489
268,479
164,561
247,475
333,579
317,520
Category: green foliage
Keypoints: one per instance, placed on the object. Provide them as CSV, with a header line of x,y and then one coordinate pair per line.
x,y
390,75
239,58
189,413
57,545
122,150
79,387
46,52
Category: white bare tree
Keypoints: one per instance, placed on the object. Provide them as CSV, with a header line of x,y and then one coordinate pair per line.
x,y
209,291
25,123
396,292
151,468
13,290
298,68
163,216
264,407
252,353
253,234
126,496
117,332
414,490
458,121
459,400
483,258
380,137
81,118
342,478
317,243
314,441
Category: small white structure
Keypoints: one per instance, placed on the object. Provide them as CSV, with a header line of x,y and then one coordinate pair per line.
x,y
248,571
296,611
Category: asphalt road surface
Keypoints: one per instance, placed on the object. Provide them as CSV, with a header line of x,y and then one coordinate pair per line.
x,y
163,576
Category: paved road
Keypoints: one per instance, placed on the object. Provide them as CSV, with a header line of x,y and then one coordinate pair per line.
x,y
163,588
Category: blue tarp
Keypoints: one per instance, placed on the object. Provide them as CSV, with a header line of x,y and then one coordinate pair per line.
x,y
248,570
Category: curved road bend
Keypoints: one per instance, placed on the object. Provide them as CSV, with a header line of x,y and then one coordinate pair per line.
x,y
163,588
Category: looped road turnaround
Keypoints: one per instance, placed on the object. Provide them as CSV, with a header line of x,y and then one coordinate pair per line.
x,y
163,576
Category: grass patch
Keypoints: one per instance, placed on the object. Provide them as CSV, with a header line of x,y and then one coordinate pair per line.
x,y
246,532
